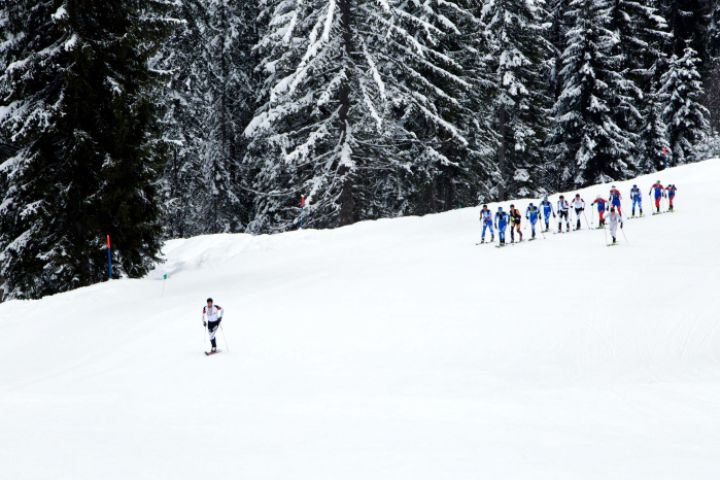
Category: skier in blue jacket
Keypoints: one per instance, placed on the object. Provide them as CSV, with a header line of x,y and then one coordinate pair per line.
x,y
636,197
486,217
501,222
547,209
533,214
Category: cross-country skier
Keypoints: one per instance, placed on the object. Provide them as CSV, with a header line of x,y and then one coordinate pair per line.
x,y
547,209
501,223
579,206
659,191
211,317
636,198
614,219
515,219
563,209
486,218
671,189
533,214
601,208
615,198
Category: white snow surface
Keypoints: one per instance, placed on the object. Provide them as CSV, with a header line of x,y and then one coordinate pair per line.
x,y
392,349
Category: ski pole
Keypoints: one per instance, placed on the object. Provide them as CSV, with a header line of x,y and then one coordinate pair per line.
x,y
586,220
605,232
624,236
227,347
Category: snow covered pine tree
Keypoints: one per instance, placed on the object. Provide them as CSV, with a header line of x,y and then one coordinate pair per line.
x,y
587,142
686,118
77,99
213,90
363,111
520,57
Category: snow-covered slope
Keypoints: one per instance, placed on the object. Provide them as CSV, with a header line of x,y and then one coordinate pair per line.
x,y
395,349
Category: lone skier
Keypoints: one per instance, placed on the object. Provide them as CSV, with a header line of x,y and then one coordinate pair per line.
x,y
501,223
532,214
615,198
515,219
658,191
486,218
601,208
670,190
211,318
614,219
636,198
579,206
547,209
563,209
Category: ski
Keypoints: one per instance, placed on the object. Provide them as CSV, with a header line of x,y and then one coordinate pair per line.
x,y
612,244
212,353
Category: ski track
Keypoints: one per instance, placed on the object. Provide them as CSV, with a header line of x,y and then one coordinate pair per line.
x,y
389,349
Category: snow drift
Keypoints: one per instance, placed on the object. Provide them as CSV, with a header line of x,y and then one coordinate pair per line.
x,y
386,350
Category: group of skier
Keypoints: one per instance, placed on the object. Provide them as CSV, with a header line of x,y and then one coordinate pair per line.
x,y
609,213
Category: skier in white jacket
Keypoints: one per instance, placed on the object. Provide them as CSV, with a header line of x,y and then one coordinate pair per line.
x,y
613,220
211,316
579,205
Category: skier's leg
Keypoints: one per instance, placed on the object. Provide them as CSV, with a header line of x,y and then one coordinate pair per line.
x,y
482,237
212,330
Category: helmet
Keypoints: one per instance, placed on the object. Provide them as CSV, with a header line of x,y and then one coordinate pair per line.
x,y
500,209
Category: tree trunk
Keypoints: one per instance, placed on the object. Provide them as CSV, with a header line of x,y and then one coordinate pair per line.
x,y
347,201
502,154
